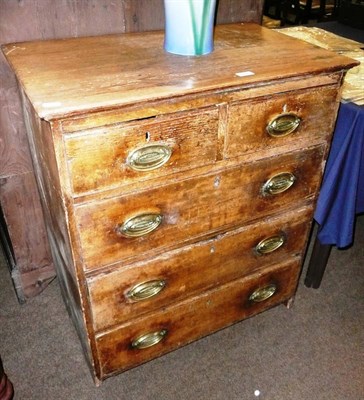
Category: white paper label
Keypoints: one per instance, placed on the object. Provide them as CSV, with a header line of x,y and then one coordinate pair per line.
x,y
244,73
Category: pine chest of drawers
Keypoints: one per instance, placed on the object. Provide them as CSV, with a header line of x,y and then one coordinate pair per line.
x,y
178,191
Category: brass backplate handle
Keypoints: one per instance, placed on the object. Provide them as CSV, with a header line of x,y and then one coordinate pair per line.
x,y
278,183
140,225
149,157
270,244
283,124
149,339
263,293
146,290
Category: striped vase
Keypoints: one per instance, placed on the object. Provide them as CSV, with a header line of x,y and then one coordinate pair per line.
x,y
189,26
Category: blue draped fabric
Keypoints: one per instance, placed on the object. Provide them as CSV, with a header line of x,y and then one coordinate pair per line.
x,y
342,192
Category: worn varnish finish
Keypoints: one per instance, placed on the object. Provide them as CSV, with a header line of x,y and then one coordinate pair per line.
x,y
220,259
97,159
249,120
223,220
189,320
94,82
31,264
192,208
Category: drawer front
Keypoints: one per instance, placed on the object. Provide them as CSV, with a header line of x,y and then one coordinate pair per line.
x,y
128,292
135,226
115,156
287,119
178,325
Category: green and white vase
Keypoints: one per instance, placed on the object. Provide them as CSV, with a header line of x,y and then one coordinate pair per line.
x,y
189,28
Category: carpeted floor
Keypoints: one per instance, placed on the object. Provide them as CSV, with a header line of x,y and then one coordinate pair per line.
x,y
314,351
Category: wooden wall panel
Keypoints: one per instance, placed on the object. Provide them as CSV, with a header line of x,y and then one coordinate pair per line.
x,y
237,11
14,151
24,220
25,20
143,15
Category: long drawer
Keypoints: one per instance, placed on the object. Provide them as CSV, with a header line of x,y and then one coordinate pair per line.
x,y
281,120
135,226
117,155
128,292
175,326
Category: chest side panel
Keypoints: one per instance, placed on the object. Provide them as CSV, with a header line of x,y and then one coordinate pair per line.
x,y
56,213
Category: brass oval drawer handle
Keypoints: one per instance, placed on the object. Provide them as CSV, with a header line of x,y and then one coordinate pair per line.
x,y
146,290
263,293
283,124
140,225
270,244
149,339
149,157
278,183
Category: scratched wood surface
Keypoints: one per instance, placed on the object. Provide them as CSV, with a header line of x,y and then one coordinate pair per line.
x,y
101,231
189,320
186,207
218,260
191,138
90,80
47,19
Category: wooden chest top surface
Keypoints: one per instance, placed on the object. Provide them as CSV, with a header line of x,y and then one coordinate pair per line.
x,y
75,76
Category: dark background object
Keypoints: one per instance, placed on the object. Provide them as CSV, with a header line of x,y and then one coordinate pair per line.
x,y
6,387
351,12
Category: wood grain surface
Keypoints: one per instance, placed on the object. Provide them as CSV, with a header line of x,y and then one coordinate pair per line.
x,y
98,159
48,19
193,207
225,202
190,320
109,71
195,268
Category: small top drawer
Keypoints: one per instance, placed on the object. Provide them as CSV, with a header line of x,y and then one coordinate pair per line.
x,y
284,119
113,156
